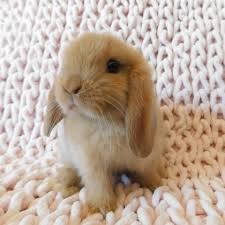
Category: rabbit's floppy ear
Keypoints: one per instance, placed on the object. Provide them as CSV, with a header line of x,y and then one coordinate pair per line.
x,y
53,114
141,121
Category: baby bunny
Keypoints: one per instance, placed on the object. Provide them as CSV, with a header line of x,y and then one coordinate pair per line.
x,y
109,118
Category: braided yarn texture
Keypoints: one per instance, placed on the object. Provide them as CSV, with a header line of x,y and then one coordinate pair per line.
x,y
185,43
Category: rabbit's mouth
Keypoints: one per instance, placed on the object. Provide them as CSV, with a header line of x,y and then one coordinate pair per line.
x,y
75,101
73,104
71,107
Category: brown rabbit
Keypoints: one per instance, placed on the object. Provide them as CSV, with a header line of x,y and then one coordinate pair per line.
x,y
110,119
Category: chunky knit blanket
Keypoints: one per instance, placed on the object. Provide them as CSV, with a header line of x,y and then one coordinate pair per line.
x,y
184,40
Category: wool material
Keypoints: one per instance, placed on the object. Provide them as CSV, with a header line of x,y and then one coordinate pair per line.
x,y
185,43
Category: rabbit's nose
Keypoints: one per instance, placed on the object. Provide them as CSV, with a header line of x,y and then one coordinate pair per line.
x,y
76,90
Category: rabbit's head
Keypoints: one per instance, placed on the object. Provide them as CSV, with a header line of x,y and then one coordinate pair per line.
x,y
102,77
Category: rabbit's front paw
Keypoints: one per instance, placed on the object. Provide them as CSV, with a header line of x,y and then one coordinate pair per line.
x,y
103,202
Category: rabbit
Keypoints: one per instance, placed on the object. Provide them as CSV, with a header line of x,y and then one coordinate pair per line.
x,y
109,121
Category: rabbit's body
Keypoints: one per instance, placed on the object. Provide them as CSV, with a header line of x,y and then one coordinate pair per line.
x,y
103,143
110,119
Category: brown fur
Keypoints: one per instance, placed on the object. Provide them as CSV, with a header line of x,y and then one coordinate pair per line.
x,y
113,123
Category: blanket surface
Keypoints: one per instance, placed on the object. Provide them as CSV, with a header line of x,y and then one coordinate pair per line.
x,y
185,43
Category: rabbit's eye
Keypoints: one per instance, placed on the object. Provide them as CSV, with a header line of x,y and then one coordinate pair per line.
x,y
113,66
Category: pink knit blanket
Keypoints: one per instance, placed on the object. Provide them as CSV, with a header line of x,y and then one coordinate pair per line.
x,y
185,43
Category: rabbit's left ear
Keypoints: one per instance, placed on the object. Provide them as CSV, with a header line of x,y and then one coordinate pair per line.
x,y
141,121
53,115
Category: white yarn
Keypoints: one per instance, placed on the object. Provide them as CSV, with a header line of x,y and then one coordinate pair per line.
x,y
185,43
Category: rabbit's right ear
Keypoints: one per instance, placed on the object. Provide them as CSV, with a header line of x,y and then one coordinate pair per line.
x,y
141,118
53,114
